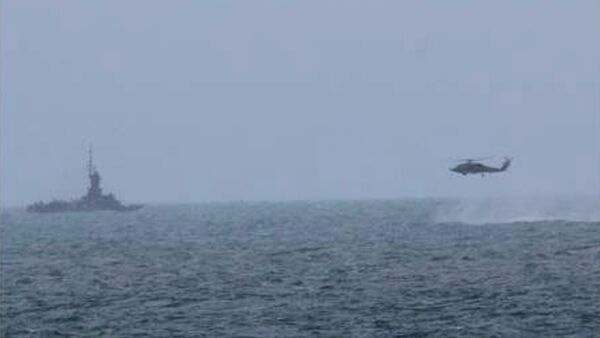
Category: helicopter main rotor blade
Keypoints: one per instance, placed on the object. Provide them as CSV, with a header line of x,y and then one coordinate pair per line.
x,y
472,159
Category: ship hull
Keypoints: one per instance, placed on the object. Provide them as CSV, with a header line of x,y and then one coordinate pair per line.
x,y
60,206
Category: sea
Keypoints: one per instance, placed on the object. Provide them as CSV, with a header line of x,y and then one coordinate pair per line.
x,y
371,268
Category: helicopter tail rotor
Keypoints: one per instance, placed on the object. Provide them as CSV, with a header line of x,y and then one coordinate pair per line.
x,y
506,163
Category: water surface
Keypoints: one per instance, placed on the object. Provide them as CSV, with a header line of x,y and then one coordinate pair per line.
x,y
297,269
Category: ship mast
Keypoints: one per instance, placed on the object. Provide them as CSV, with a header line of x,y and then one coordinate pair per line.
x,y
94,190
90,161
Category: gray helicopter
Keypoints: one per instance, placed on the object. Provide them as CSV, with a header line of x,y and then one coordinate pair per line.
x,y
471,166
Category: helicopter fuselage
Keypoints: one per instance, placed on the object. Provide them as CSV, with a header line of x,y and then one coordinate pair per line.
x,y
470,167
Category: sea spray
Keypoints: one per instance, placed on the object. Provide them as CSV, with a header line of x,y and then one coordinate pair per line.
x,y
518,209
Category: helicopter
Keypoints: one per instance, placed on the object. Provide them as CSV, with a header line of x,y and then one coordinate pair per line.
x,y
472,166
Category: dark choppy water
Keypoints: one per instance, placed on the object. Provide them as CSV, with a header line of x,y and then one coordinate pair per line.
x,y
302,269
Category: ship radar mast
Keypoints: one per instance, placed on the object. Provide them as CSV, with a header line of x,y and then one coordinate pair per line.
x,y
94,189
91,167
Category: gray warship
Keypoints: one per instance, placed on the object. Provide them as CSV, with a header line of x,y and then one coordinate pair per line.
x,y
94,200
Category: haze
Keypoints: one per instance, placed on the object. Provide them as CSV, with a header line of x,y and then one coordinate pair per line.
x,y
191,101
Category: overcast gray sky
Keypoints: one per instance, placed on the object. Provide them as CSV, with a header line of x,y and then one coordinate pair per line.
x,y
225,100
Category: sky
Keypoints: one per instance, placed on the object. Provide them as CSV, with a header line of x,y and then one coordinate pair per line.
x,y
194,101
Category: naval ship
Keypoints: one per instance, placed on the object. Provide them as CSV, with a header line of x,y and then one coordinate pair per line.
x,y
94,200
